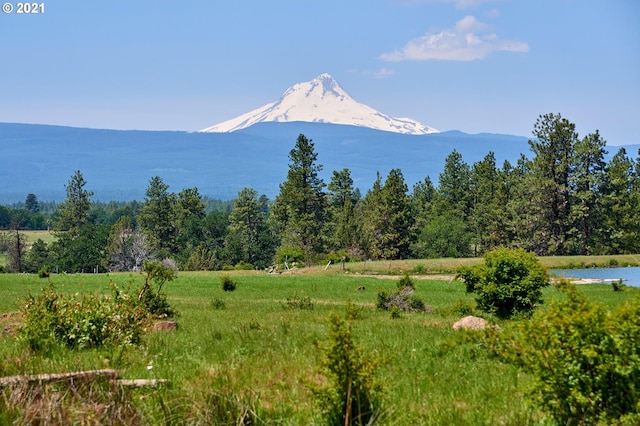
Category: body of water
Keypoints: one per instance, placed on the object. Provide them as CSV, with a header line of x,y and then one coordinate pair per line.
x,y
630,276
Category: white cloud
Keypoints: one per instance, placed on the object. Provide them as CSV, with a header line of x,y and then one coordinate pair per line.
x,y
468,40
383,73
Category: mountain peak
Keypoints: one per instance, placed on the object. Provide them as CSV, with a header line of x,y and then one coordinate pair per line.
x,y
321,100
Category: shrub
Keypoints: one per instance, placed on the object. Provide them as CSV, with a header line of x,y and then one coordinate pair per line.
x,y
218,304
405,281
461,308
350,397
44,272
509,282
401,300
618,285
419,268
81,320
295,302
228,284
353,311
244,266
586,361
157,273
290,255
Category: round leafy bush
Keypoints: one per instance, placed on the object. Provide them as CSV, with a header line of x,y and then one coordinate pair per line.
x,y
584,357
227,283
509,282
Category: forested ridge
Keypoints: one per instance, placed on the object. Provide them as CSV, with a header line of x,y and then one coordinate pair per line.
x,y
563,198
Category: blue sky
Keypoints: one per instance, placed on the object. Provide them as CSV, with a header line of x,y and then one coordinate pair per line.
x,y
471,65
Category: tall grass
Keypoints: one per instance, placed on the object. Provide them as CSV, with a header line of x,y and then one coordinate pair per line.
x,y
256,358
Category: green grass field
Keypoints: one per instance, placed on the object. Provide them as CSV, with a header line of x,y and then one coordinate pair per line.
x,y
257,352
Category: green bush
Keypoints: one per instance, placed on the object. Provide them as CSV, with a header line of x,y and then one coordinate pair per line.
x,y
157,273
400,300
81,321
218,303
228,284
618,285
419,268
405,281
586,360
350,396
44,272
509,282
290,255
244,266
298,302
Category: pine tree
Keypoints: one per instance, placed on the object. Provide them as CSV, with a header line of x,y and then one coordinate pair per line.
x,y
249,231
486,211
189,216
621,219
157,218
387,219
396,236
421,199
31,203
586,183
454,195
74,212
342,199
553,145
300,207
369,214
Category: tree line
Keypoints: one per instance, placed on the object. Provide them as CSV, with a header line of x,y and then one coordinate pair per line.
x,y
566,199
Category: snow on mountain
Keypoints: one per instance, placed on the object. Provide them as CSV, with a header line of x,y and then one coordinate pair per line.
x,y
321,100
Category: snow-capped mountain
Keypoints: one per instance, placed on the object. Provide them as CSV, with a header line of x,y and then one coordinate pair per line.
x,y
321,100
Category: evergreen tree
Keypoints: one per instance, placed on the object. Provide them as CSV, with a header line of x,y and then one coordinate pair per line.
x,y
387,219
485,222
248,231
369,213
421,200
300,207
454,192
31,204
74,212
189,216
37,257
84,252
621,220
396,214
522,213
342,199
157,218
586,183
552,167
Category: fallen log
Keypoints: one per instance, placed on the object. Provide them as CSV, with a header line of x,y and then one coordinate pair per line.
x,y
86,376
58,377
140,383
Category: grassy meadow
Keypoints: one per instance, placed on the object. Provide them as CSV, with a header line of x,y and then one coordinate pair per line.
x,y
255,350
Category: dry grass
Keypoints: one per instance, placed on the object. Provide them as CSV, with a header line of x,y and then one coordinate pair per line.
x,y
46,236
94,402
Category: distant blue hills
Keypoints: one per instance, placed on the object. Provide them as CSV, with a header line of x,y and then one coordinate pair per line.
x,y
118,164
